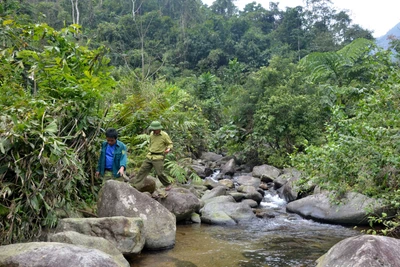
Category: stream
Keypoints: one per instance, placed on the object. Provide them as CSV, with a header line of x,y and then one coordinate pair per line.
x,y
286,240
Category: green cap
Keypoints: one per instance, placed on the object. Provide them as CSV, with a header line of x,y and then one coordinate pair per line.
x,y
155,125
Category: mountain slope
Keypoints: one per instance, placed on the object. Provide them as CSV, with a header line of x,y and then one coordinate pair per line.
x,y
383,41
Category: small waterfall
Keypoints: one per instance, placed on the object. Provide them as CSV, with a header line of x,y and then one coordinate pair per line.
x,y
271,200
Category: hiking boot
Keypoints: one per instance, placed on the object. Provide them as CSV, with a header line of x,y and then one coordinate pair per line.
x,y
168,188
155,195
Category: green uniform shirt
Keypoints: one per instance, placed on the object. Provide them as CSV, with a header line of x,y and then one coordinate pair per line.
x,y
158,144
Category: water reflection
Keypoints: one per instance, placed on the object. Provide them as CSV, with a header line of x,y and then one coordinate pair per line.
x,y
285,240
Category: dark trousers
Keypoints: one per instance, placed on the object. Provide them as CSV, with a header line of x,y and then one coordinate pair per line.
x,y
145,169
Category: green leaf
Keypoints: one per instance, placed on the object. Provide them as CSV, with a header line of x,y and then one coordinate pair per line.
x,y
34,203
51,128
2,147
4,210
87,73
8,21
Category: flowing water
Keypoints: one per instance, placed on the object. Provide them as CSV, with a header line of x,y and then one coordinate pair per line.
x,y
284,240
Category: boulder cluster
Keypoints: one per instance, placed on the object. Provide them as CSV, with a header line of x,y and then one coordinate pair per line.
x,y
129,221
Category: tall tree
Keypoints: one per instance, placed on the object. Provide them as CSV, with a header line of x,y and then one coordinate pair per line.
x,y
225,8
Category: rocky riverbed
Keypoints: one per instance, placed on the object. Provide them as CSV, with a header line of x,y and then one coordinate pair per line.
x,y
237,216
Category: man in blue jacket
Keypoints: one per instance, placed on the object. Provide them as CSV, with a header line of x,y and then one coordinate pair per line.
x,y
112,161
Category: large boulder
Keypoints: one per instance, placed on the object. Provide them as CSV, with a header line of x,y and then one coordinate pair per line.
x,y
127,234
352,210
226,198
210,156
289,191
361,251
266,173
229,168
250,192
283,178
201,170
95,242
181,202
237,196
225,159
226,212
215,192
121,199
149,184
50,254
248,180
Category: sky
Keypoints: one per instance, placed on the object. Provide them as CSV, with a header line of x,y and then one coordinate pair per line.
x,y
376,16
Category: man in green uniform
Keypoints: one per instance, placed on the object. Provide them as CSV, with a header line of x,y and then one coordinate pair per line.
x,y
160,145
112,161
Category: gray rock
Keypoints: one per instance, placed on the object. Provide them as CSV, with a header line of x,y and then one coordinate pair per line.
x,y
200,170
120,199
229,168
217,191
289,191
237,196
226,198
195,217
265,214
197,190
181,202
352,211
281,181
266,172
50,254
285,184
261,191
210,156
127,234
225,159
210,183
217,217
227,182
95,242
250,192
361,251
251,203
248,180
226,213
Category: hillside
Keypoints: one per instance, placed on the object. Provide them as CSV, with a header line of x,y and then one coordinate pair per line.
x,y
384,41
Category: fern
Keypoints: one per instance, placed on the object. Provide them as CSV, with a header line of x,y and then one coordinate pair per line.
x,y
337,67
179,171
356,49
176,171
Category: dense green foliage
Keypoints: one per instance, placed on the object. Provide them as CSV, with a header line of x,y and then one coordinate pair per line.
x,y
49,119
362,136
300,87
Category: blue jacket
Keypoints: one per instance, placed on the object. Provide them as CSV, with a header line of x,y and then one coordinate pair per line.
x,y
119,160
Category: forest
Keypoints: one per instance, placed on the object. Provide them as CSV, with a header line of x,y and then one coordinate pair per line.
x,y
302,87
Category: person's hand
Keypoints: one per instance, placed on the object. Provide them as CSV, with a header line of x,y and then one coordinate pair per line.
x,y
167,150
121,171
97,174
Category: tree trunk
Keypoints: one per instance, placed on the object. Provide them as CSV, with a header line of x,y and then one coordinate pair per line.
x,y
133,9
73,11
77,11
